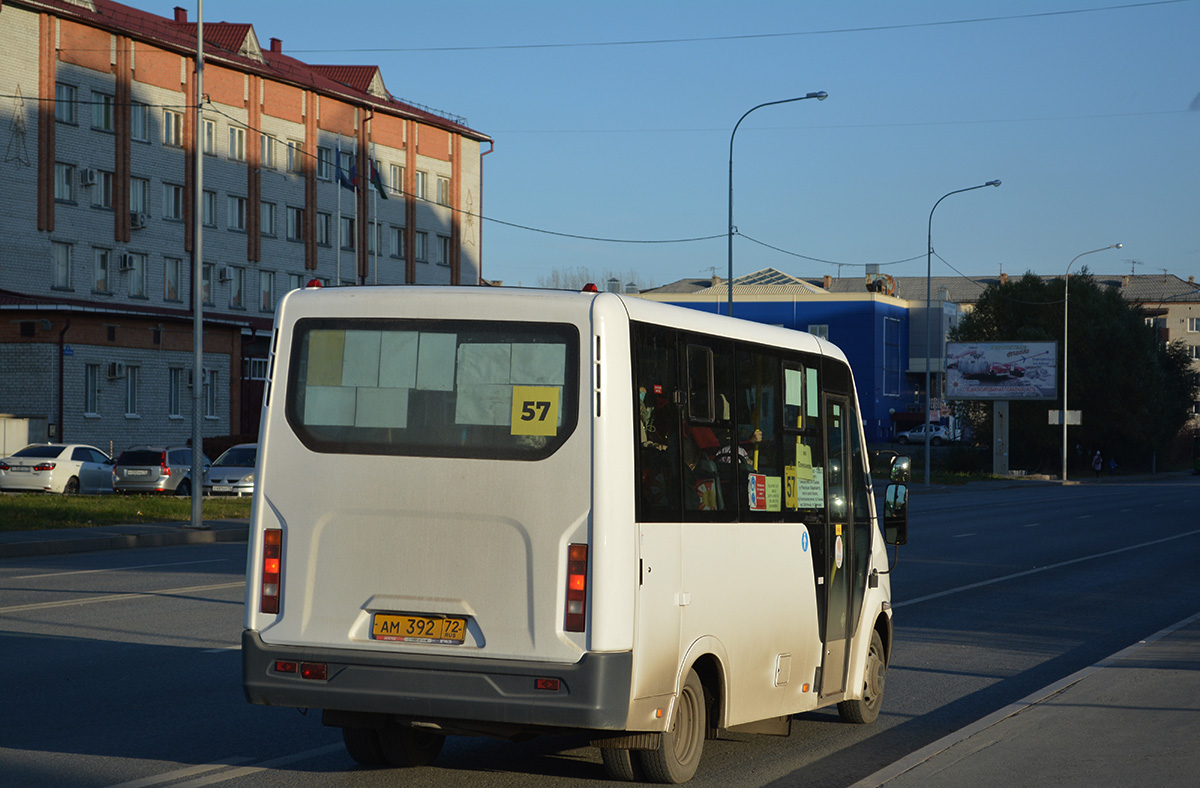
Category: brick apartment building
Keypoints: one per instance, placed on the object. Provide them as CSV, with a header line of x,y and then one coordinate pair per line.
x,y
97,228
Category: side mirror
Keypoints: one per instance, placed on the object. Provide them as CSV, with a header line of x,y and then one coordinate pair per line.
x,y
901,469
895,514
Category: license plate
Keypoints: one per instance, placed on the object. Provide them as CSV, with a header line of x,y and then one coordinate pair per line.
x,y
222,488
19,468
446,630
137,472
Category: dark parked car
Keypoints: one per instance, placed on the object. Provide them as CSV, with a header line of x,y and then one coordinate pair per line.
x,y
165,469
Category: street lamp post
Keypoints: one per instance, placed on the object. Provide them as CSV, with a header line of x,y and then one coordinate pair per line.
x,y
819,96
929,314
1062,415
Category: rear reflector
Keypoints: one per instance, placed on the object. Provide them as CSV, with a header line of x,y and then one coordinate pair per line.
x,y
271,569
284,666
551,685
577,564
317,671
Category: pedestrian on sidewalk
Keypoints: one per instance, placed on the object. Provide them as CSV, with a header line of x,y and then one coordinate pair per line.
x,y
1097,463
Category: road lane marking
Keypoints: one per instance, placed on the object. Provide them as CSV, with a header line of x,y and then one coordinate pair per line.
x,y
1032,525
119,569
233,774
91,600
1028,572
962,536
179,774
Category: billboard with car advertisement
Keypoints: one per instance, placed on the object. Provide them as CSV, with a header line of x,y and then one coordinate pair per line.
x,y
1002,370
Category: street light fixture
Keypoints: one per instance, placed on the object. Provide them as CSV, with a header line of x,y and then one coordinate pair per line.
x,y
819,96
929,314
1062,415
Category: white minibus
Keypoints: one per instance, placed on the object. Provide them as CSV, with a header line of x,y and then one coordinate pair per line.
x,y
491,511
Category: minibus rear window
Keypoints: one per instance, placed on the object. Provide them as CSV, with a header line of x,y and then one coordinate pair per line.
x,y
487,389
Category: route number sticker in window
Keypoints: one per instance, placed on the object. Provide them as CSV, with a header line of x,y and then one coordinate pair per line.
x,y
535,410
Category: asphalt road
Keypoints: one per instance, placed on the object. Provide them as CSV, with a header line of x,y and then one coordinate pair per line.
x,y
122,666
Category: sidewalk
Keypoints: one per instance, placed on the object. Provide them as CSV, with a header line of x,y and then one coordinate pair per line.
x,y
1132,719
56,541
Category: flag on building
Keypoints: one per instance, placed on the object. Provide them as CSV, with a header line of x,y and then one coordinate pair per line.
x,y
377,182
348,182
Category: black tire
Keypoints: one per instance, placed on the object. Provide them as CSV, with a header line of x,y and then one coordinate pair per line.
x,y
72,486
403,745
867,709
184,488
621,764
363,746
678,754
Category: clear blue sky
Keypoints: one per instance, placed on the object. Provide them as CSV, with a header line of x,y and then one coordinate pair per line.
x,y
607,124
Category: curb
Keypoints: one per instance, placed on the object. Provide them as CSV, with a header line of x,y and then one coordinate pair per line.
x,y
27,544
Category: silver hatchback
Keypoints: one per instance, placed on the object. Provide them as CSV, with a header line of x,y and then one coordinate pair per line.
x,y
147,469
233,472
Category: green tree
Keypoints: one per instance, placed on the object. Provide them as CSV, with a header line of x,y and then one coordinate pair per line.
x,y
1134,393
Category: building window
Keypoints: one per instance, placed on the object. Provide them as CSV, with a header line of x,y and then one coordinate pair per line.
x,y
131,390
64,103
1194,351
266,217
100,270
139,122
891,357
1193,325
422,247
397,176
419,185
443,191
210,209
237,143
102,192
237,213
266,145
209,137
172,128
174,391
210,393
206,278
398,242
91,389
324,228
172,266
64,182
295,281
443,250
325,163
135,265
237,287
266,289
347,232
295,156
139,195
102,111
295,224
60,260
374,231
172,201
819,330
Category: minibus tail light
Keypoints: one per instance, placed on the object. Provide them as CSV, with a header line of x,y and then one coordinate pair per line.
x,y
271,570
577,565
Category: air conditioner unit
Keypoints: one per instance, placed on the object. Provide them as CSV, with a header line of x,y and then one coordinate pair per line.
x,y
126,261
116,369
87,177
137,220
225,274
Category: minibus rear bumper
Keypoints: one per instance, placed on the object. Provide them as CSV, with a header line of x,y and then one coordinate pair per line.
x,y
592,694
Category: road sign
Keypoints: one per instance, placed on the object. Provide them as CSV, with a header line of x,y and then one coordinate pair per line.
x,y
1073,417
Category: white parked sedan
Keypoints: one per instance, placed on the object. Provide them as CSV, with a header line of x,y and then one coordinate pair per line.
x,y
58,468
233,472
